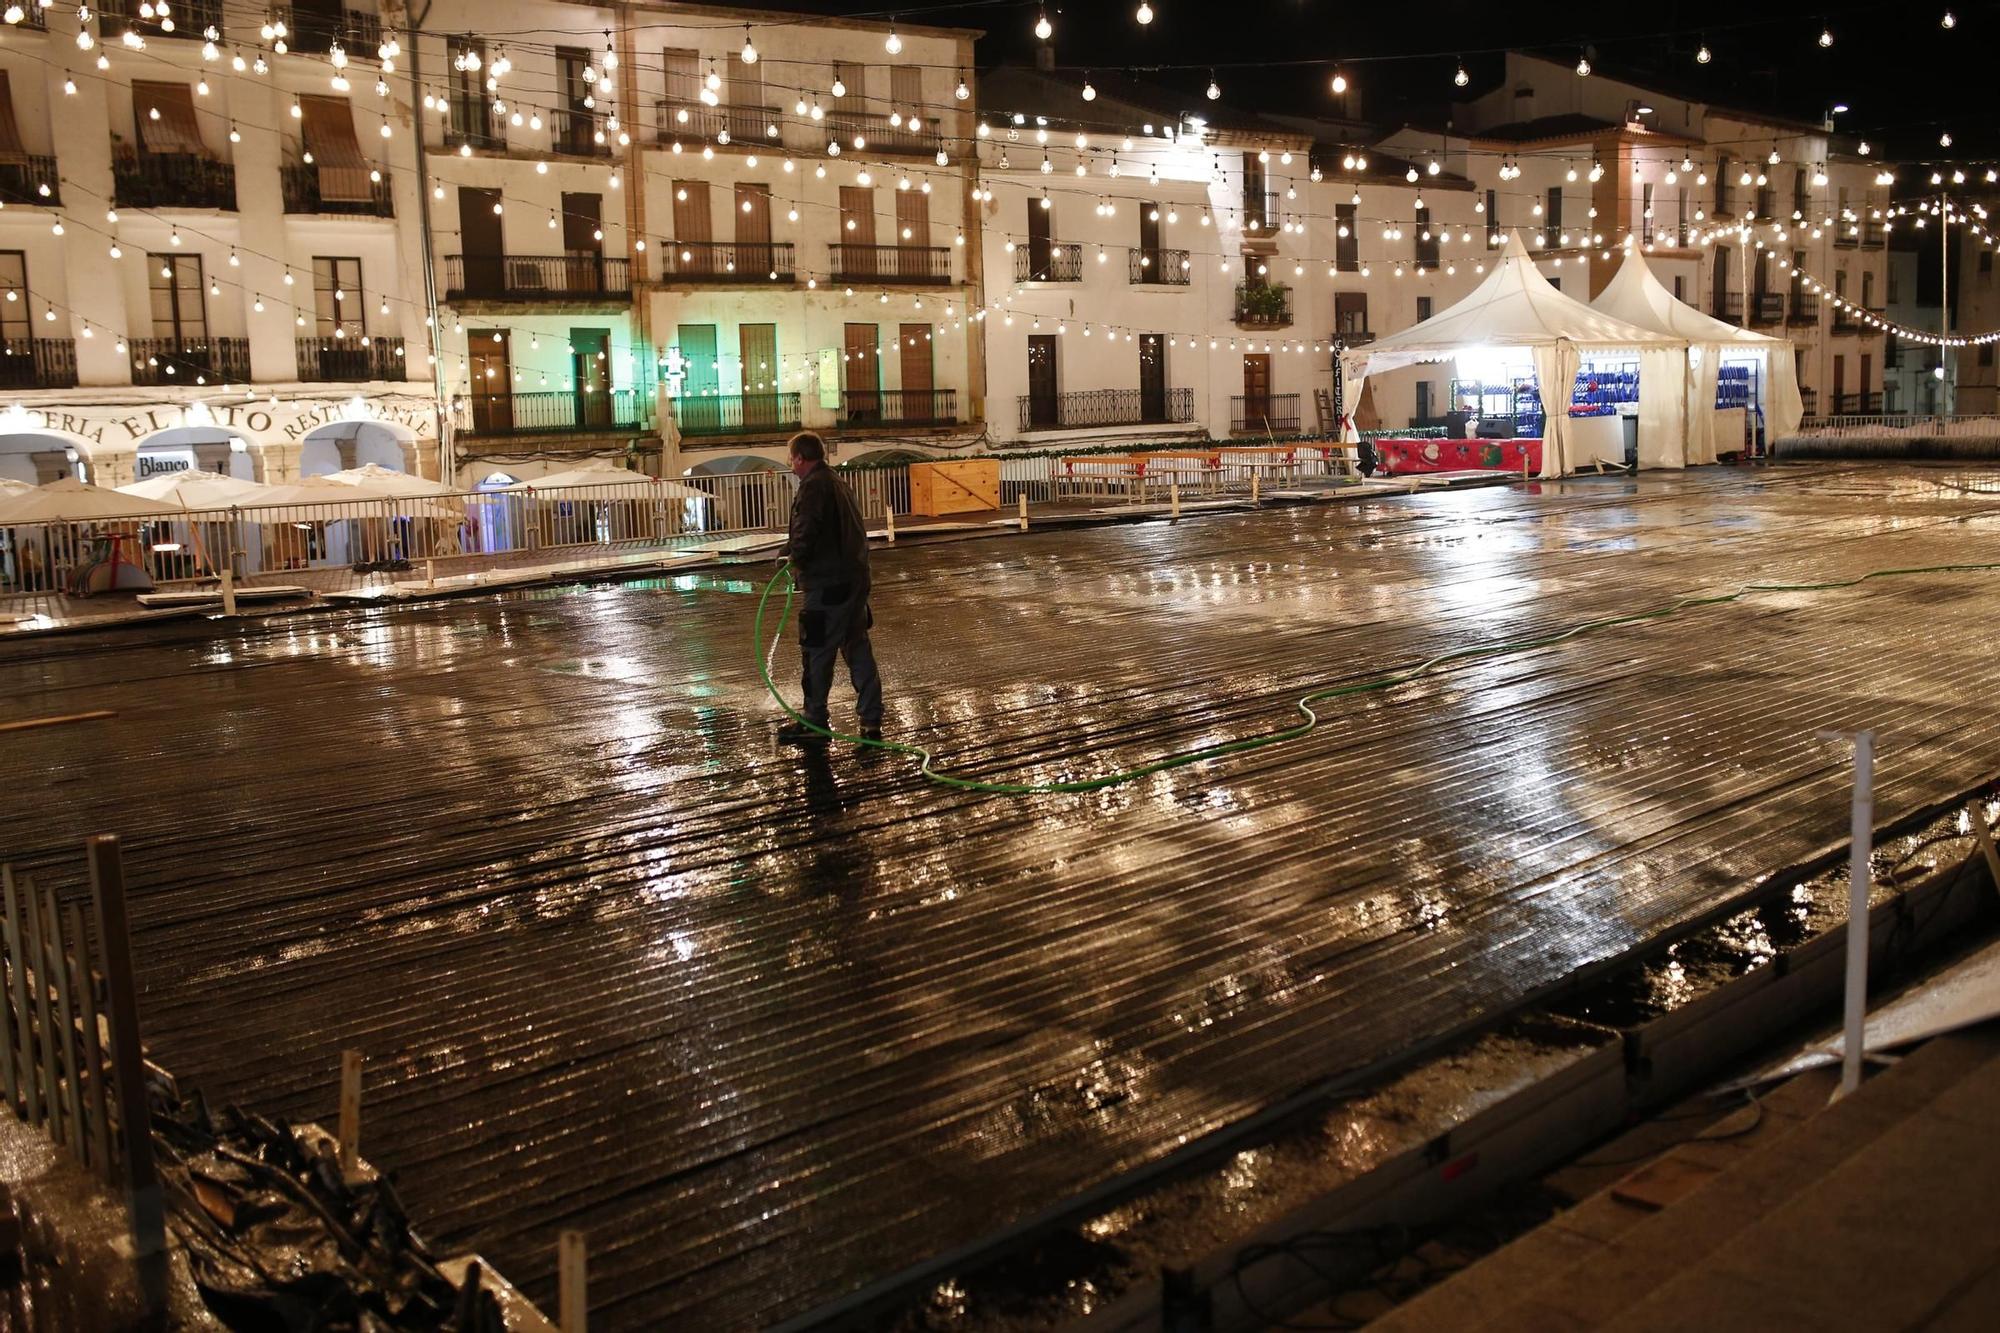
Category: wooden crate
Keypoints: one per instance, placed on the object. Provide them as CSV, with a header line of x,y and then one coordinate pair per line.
x,y
961,486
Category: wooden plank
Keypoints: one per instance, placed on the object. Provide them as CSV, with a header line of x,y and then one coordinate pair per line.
x,y
350,1112
8,1023
23,1015
96,1113
62,1037
107,891
38,986
572,1303
955,486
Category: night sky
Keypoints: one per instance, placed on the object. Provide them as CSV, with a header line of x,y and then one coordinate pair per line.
x,y
1904,76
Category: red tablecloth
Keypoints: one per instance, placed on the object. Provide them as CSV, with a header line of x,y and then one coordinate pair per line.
x,y
1394,456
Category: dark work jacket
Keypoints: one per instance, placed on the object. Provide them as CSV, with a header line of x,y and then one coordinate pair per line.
x,y
829,539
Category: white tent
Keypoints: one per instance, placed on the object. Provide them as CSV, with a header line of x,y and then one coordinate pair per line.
x,y
1636,296
73,501
1516,307
191,488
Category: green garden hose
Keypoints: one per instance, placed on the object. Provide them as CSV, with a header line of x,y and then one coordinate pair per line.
x,y
1245,744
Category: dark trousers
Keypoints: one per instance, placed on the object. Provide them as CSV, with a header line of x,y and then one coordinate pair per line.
x,y
835,623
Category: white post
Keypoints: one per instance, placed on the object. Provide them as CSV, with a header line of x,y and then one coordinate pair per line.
x,y
1860,844
1253,485
571,1304
889,515
1174,495
1024,511
430,572
350,1112
228,590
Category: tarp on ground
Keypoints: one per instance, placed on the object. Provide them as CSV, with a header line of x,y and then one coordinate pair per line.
x,y
1516,307
1637,296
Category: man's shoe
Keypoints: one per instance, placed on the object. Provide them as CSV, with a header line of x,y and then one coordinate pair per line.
x,y
798,733
871,733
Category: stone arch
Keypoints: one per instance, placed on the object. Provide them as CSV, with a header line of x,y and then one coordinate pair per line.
x,y
886,457
37,456
211,448
721,467
340,445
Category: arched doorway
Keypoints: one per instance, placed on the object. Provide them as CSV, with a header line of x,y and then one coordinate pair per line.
x,y
340,445
748,492
38,457
214,449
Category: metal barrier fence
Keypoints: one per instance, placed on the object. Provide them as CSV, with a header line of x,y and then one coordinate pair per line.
x,y
1914,423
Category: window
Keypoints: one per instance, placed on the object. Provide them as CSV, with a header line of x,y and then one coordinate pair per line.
x,y
1645,212
1985,356
1256,214
1868,291
1554,220
1426,245
1492,212
906,94
683,69
1985,263
337,296
178,312
1346,244
14,326
1423,308
1350,314
1680,288
468,92
1722,184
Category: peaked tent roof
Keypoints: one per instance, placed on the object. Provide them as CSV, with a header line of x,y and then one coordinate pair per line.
x,y
1515,307
1637,297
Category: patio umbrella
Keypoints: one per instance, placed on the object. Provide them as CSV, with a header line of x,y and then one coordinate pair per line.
x,y
10,488
71,501
194,489
374,479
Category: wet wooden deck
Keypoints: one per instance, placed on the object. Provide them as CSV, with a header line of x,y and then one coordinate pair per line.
x,y
769,1027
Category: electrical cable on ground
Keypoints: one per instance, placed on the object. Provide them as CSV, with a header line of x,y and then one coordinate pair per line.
x,y
1297,731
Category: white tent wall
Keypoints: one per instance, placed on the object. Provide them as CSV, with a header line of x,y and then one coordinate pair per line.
x,y
1663,416
1704,370
1784,409
1556,365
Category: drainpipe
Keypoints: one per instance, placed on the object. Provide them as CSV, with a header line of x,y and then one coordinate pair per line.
x,y
975,252
447,453
647,357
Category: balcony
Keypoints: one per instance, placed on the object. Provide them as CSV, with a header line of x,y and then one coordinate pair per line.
x,y
537,278
1809,400
473,125
302,195
1846,319
191,18
1846,235
1061,264
179,181
1353,337
737,413
1105,407
728,123
927,265
757,263
1874,235
163,361
350,360
1767,308
867,132
314,31
1858,405
579,134
1269,414
556,412
1728,307
1158,268
1260,214
1263,306
38,363
898,407
1805,309
31,182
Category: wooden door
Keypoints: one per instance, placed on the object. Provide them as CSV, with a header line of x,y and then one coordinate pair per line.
x,y
1152,377
1867,378
590,376
1044,402
1039,221
863,399
1719,291
583,242
480,231
857,231
698,409
913,348
1256,389
757,353
1149,240
1839,383
492,388
754,255
913,234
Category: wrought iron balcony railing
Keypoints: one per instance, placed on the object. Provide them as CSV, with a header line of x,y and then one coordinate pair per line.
x,y
1728,306
1165,268
737,413
725,124
313,32
536,278
38,363
866,131
177,181
301,183
474,125
158,361
1767,308
1105,407
746,262
31,182
1805,308
556,411
350,360
1271,412
929,265
188,19
898,407
1061,263
580,134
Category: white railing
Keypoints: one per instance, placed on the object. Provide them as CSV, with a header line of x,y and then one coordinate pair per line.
x,y
1903,423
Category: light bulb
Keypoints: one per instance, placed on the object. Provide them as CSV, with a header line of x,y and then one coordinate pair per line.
x,y
1214,89
893,44
961,92
1950,20
839,85
1583,67
1461,78
749,47
1090,93
1826,37
1704,55
1145,14
1339,84
1043,28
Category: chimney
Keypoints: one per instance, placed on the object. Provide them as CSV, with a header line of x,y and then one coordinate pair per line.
x,y
1045,57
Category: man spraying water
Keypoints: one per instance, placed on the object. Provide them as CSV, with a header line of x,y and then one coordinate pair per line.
x,y
828,550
